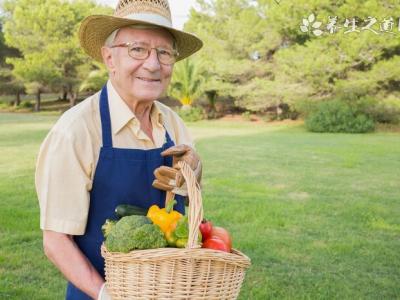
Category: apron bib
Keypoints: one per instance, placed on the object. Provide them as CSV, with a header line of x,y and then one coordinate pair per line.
x,y
122,176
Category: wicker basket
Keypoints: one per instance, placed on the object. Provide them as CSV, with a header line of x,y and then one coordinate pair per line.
x,y
172,273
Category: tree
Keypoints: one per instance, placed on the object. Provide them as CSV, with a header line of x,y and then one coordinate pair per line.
x,y
232,31
187,82
9,84
51,56
256,52
38,74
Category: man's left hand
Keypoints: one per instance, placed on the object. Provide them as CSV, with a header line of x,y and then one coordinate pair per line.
x,y
171,179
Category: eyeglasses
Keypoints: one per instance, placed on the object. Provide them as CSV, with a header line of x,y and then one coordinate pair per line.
x,y
142,51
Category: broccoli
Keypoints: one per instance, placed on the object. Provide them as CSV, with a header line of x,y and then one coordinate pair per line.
x,y
129,222
108,226
149,236
134,232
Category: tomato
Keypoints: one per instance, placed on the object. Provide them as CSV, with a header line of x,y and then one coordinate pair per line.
x,y
216,244
205,229
222,234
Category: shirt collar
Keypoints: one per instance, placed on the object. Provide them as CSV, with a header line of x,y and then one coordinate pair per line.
x,y
156,114
121,114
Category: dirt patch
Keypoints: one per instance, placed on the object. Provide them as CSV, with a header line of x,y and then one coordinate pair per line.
x,y
388,128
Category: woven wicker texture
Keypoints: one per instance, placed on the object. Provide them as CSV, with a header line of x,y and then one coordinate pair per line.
x,y
126,7
95,29
171,273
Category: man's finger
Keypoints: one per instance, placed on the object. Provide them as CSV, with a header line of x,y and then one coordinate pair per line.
x,y
193,163
169,176
165,171
176,150
162,186
180,180
166,180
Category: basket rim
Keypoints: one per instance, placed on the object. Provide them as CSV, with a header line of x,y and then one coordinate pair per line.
x,y
160,254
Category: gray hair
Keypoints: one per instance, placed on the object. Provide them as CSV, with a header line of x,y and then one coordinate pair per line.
x,y
111,38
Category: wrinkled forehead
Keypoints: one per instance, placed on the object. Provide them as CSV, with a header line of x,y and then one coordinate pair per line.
x,y
158,36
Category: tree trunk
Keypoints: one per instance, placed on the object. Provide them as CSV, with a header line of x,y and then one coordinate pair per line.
x,y
211,96
278,112
72,98
17,99
65,94
37,104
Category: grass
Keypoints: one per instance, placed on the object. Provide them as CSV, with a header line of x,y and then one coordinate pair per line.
x,y
318,214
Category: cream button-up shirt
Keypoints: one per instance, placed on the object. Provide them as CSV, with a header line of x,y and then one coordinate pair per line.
x,y
68,156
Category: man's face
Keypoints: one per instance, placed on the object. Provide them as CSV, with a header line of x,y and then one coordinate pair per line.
x,y
139,80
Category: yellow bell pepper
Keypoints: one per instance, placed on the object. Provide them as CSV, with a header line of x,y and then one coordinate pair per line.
x,y
164,217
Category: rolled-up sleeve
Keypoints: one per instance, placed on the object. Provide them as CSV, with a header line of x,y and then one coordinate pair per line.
x,y
63,182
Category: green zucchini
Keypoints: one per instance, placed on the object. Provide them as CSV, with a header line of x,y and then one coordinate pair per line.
x,y
124,210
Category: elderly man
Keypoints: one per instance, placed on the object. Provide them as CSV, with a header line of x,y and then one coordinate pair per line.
x,y
118,145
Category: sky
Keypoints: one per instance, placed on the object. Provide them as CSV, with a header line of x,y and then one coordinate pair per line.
x,y
179,10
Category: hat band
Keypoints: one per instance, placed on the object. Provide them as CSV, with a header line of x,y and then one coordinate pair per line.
x,y
150,18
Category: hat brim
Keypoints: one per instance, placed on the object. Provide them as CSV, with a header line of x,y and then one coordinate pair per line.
x,y
95,29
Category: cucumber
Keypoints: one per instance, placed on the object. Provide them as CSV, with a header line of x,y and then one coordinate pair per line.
x,y
124,210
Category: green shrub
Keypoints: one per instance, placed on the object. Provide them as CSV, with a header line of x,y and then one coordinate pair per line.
x,y
191,114
26,104
381,111
339,116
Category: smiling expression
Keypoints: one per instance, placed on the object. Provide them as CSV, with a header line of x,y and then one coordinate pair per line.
x,y
138,80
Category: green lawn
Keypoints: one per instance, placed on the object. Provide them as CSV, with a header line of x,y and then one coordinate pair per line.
x,y
318,214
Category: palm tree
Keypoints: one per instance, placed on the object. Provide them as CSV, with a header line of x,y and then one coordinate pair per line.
x,y
187,82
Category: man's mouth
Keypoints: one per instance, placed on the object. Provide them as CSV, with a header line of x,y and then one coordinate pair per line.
x,y
148,79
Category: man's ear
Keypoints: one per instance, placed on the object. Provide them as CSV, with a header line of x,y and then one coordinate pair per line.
x,y
106,52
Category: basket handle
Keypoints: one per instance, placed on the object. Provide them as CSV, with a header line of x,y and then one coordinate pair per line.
x,y
195,211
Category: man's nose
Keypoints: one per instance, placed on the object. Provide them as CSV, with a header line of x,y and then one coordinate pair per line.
x,y
152,63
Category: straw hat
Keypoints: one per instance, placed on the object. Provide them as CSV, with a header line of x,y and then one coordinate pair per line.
x,y
95,29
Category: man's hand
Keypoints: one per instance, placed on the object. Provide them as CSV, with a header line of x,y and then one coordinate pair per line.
x,y
171,179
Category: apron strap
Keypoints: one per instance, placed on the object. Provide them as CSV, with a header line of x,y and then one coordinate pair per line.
x,y
105,118
168,141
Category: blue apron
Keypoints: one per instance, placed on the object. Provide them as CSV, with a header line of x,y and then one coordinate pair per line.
x,y
123,176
